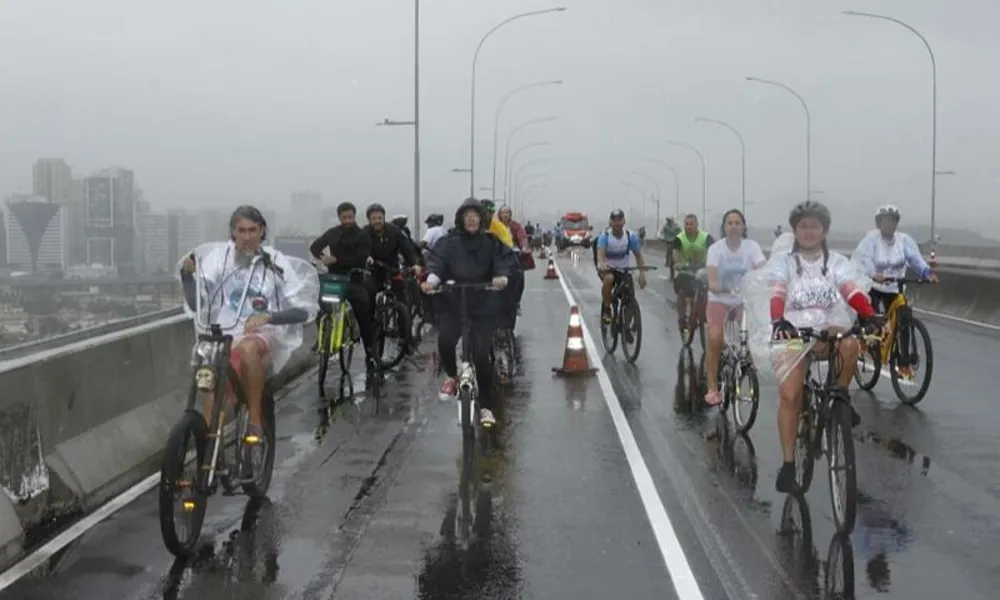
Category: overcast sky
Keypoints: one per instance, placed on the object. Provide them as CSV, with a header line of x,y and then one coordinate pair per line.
x,y
214,102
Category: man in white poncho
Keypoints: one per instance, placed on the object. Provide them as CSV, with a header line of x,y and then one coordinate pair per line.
x,y
804,286
281,294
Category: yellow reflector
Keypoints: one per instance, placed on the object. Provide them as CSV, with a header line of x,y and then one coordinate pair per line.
x,y
251,439
188,505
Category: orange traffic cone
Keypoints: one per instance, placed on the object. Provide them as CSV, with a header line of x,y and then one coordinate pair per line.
x,y
550,271
575,361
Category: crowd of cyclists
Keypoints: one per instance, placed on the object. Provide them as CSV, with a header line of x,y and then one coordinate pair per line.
x,y
802,286
807,286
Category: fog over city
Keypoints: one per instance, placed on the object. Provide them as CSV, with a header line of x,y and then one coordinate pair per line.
x,y
216,103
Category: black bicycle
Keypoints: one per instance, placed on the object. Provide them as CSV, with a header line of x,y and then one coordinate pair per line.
x,y
626,319
206,443
890,348
468,389
392,319
825,424
737,377
691,310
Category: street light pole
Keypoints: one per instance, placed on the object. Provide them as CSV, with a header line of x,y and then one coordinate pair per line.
x,y
496,120
506,147
677,185
518,182
743,159
656,184
930,52
805,107
506,186
530,163
472,104
704,176
416,118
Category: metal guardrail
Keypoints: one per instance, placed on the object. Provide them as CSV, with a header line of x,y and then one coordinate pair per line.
x,y
29,348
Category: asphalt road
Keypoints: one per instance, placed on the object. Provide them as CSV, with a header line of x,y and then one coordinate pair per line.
x,y
369,505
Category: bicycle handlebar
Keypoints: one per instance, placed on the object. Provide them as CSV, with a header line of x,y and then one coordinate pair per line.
x,y
808,333
630,269
451,284
904,280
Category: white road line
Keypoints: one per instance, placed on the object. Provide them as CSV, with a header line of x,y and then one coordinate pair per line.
x,y
681,575
43,554
958,319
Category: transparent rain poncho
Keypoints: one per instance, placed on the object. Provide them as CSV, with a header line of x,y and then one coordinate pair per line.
x,y
229,294
811,300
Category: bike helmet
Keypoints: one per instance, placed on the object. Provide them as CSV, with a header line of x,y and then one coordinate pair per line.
x,y
887,210
434,220
399,220
616,214
373,208
810,208
489,205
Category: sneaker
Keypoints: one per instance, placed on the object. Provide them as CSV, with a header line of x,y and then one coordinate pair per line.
x,y
785,482
449,390
606,314
486,418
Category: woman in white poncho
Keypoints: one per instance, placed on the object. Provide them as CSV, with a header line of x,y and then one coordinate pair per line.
x,y
282,293
804,286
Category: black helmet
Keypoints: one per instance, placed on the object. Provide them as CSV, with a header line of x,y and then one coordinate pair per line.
x,y
617,214
399,220
489,205
810,208
375,207
434,220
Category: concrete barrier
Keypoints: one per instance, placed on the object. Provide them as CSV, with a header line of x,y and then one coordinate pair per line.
x,y
81,423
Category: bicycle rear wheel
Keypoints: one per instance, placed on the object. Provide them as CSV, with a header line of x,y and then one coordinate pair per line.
x,y
348,341
917,331
841,466
190,433
393,322
630,319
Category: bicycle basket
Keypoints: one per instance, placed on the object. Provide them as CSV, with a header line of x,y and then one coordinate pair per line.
x,y
333,286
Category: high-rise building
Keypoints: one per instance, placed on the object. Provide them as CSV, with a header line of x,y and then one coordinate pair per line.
x,y
305,214
110,219
154,242
52,179
3,240
35,239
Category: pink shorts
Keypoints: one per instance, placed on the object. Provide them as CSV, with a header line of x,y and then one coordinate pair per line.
x,y
717,312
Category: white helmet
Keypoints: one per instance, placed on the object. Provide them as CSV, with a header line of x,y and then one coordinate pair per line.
x,y
887,210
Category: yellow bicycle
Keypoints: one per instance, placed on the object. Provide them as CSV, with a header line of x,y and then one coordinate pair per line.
x,y
890,350
337,330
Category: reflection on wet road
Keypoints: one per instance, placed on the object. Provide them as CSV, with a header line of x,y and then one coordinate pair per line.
x,y
388,504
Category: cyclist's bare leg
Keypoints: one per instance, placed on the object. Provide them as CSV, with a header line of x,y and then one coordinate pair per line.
x,y
253,367
713,356
790,403
608,280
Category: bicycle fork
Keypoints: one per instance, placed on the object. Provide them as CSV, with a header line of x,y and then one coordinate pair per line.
x,y
467,385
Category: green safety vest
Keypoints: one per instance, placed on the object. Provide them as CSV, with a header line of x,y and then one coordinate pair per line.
x,y
692,252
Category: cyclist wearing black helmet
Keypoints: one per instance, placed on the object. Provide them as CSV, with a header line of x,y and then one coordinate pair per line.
x,y
435,230
809,286
388,244
400,222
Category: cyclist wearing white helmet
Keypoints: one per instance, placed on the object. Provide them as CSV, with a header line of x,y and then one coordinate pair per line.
x,y
884,253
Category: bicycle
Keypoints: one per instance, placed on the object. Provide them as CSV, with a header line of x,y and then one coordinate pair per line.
x,y
624,309
337,331
392,319
826,409
691,311
735,363
211,371
886,350
468,391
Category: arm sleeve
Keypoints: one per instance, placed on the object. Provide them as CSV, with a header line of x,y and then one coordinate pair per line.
x,y
712,258
407,250
779,286
327,239
913,258
848,279
520,235
602,241
356,256
864,252
504,260
437,261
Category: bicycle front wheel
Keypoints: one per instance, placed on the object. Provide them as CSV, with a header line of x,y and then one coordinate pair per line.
x,y
348,341
631,329
393,334
841,466
869,367
745,398
910,392
179,485
609,330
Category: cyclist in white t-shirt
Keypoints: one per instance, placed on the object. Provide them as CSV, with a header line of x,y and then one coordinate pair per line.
x,y
435,230
728,260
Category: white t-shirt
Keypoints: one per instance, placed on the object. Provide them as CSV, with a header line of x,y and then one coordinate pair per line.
x,y
815,300
433,235
732,266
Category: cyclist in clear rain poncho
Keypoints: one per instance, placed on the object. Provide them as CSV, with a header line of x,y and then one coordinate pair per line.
x,y
281,295
804,285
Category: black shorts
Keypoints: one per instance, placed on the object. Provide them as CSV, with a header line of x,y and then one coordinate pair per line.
x,y
685,283
881,301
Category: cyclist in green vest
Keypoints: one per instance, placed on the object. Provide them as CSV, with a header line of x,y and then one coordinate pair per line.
x,y
689,249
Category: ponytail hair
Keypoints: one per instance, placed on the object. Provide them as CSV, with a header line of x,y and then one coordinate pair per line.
x,y
798,262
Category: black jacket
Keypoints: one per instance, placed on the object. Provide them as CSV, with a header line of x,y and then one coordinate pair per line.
x,y
387,245
350,245
472,258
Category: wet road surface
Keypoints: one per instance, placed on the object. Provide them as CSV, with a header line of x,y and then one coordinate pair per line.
x,y
928,478
367,505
